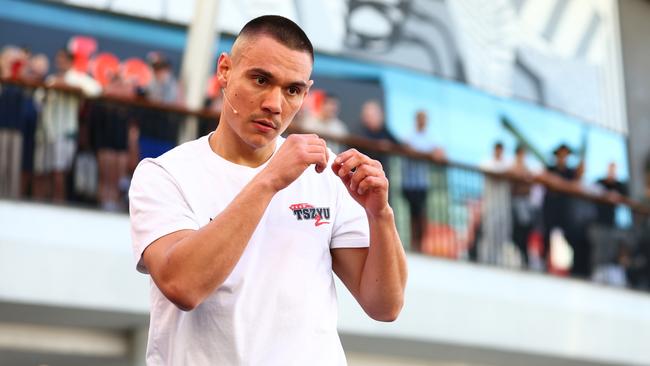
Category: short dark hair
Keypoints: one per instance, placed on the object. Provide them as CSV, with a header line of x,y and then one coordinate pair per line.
x,y
498,145
562,147
280,29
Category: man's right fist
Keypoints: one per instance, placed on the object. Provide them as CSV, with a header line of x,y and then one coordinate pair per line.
x,y
295,155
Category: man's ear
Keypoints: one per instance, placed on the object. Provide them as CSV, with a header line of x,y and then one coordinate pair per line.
x,y
224,65
308,88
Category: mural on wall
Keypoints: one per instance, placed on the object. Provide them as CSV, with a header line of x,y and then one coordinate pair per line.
x,y
558,53
563,54
413,33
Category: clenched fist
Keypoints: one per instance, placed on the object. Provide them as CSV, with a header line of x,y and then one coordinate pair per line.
x,y
365,180
295,155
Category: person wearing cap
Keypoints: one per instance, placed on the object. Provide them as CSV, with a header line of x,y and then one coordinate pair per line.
x,y
557,206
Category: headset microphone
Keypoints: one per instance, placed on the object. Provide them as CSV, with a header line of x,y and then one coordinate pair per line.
x,y
223,91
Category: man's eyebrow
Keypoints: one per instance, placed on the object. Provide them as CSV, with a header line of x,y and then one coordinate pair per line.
x,y
300,83
267,74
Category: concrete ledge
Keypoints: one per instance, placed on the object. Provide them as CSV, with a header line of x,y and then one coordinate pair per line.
x,y
479,308
72,267
63,340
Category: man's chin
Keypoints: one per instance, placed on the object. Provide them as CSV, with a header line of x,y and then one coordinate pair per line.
x,y
258,141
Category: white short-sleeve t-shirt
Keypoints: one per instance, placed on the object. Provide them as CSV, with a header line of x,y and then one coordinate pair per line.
x,y
278,306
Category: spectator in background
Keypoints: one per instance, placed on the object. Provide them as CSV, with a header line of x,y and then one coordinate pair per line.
x,y
111,137
37,68
12,61
523,211
610,252
158,131
496,208
35,72
163,87
557,207
56,133
416,177
327,120
497,162
613,191
639,271
374,128
614,273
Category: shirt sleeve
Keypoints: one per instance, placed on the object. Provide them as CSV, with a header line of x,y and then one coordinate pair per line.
x,y
350,228
157,207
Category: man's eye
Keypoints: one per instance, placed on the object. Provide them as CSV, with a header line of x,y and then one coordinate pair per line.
x,y
260,80
294,90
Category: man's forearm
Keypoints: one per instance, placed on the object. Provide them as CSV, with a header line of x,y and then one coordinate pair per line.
x,y
385,271
201,261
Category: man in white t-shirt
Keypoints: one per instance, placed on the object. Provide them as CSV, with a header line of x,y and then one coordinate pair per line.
x,y
241,236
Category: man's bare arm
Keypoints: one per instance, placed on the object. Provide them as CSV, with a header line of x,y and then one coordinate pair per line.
x,y
376,276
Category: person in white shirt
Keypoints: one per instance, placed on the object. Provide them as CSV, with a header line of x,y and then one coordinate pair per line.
x,y
327,120
58,127
496,208
242,230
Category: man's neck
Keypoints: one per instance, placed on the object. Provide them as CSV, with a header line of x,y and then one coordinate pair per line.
x,y
229,146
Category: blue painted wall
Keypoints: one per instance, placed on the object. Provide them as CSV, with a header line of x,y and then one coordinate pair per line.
x,y
466,122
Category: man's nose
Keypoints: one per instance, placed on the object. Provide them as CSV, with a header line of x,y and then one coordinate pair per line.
x,y
272,102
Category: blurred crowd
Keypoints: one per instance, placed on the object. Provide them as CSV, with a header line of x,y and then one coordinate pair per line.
x,y
555,221
542,219
59,142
